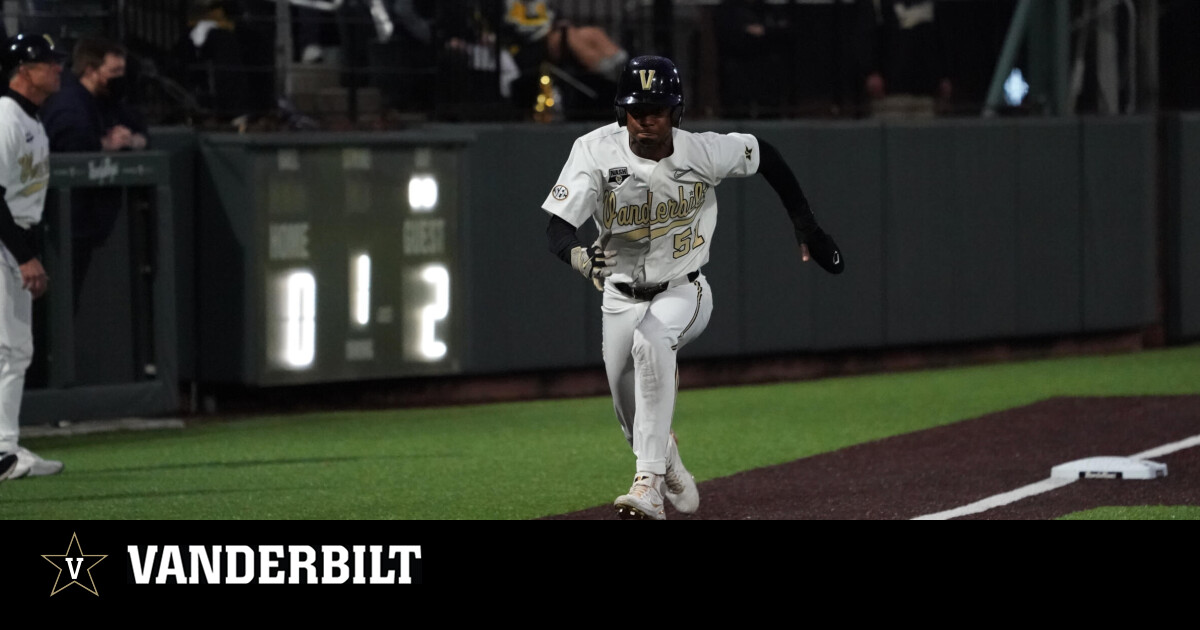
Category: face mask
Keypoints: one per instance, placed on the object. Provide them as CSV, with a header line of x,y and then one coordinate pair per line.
x,y
117,87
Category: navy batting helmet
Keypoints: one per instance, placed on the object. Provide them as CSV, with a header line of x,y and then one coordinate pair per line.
x,y
30,48
650,80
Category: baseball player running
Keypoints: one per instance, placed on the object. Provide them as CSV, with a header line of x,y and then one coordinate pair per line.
x,y
649,186
33,68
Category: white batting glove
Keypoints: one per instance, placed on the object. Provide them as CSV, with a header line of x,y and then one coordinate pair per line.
x,y
594,262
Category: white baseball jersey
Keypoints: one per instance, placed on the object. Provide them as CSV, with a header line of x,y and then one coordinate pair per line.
x,y
24,167
661,214
24,163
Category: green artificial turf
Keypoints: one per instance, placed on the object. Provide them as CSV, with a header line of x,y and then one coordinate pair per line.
x,y
524,460
1137,513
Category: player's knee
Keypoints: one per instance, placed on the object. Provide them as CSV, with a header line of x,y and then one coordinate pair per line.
x,y
15,357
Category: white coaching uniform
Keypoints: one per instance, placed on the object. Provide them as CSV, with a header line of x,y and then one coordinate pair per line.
x,y
661,216
25,176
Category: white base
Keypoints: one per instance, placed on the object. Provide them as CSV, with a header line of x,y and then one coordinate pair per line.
x,y
1109,468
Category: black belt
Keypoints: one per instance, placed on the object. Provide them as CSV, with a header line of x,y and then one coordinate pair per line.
x,y
649,291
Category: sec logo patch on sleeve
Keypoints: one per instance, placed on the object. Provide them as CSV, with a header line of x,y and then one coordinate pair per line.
x,y
559,192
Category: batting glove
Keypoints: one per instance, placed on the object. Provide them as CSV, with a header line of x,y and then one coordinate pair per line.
x,y
593,262
823,249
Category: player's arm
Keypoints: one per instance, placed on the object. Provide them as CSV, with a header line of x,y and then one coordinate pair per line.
x,y
33,275
591,262
569,205
809,234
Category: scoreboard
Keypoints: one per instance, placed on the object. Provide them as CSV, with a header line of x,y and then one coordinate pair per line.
x,y
351,267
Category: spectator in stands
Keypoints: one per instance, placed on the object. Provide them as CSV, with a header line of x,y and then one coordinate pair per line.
x,y
314,33
89,114
750,45
416,17
908,69
404,61
474,72
227,59
535,32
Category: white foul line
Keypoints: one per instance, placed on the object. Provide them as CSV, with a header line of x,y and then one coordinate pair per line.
x,y
1167,449
1046,485
1032,489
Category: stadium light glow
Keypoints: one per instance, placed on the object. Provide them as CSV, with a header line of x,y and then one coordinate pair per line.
x,y
1015,88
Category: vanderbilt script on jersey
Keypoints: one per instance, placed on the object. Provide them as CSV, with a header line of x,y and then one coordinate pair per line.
x,y
24,168
661,214
24,163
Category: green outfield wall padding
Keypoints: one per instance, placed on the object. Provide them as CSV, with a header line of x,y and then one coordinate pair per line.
x,y
1182,228
1119,247
923,235
1049,218
844,185
527,309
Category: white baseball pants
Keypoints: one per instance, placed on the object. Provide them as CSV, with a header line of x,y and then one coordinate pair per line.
x,y
16,350
640,342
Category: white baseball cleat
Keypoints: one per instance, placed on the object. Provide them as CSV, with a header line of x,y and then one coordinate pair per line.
x,y
644,502
680,488
29,464
8,461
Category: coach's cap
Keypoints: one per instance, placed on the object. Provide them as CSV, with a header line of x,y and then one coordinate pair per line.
x,y
30,48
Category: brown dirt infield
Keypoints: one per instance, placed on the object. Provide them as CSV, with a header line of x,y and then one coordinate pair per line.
x,y
947,467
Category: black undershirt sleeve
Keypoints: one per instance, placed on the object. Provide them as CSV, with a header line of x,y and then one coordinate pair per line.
x,y
561,237
772,167
11,234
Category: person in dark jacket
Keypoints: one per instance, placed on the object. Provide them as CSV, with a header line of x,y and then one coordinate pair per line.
x,y
89,115
752,40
